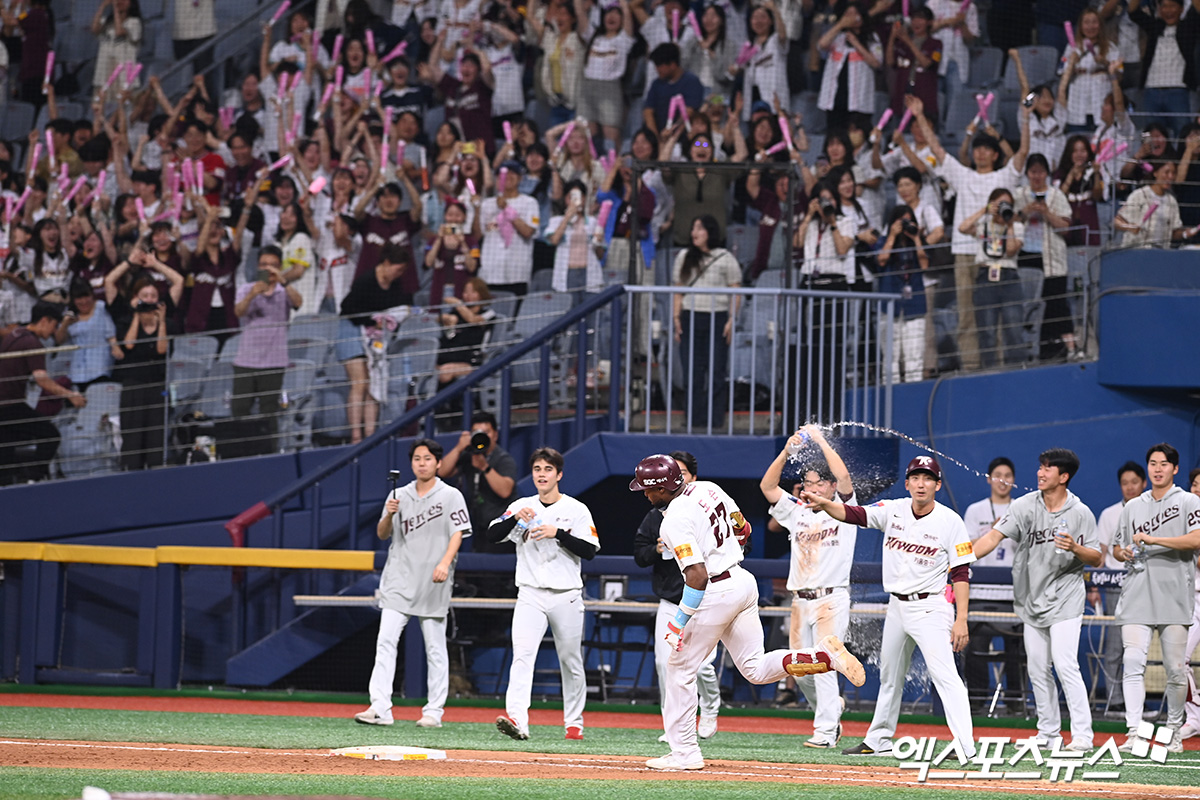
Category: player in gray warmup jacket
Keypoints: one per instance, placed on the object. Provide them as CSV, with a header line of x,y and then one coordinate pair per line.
x,y
1158,535
1054,535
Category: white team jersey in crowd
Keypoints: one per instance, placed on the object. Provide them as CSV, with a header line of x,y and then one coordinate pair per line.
x,y
698,528
918,552
544,563
822,547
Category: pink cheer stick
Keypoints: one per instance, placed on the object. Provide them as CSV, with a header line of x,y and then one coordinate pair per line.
x,y
75,189
507,131
395,52
502,186
786,130
338,75
283,162
8,208
99,184
316,41
186,170
1105,146
965,5
471,187
21,202
562,140
370,41
337,48
226,115
141,209
747,53
131,72
691,17
675,24
775,148
1070,33
284,79
884,119
49,71
164,215
50,149
112,78
198,168
279,12
904,10
297,118
383,160
37,153
64,174
602,217
1146,165
612,159
400,153
1149,213
317,185
370,86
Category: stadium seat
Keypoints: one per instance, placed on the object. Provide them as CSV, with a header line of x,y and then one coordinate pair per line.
x,y
985,66
185,379
541,281
805,103
1040,63
412,373
217,396
88,444
18,120
319,331
197,346
296,417
504,304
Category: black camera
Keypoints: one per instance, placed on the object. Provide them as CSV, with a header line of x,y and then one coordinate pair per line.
x,y
1029,99
1039,197
142,305
828,208
1006,211
480,441
910,228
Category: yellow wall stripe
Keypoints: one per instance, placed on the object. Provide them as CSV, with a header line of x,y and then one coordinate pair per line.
x,y
361,560
21,551
92,554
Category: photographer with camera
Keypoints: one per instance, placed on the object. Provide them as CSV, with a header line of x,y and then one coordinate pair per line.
x,y
903,261
997,294
143,376
486,474
1042,265
453,257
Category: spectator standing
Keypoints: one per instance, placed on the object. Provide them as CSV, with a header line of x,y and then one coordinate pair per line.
x,y
1170,59
903,262
120,35
487,476
711,59
699,191
143,375
1150,217
47,262
602,97
263,308
556,533
218,255
574,236
672,80
1048,120
1157,536
37,37
1132,479
465,330
426,521
467,98
370,294
848,85
913,58
453,256
19,422
389,225
765,76
1054,536
957,29
1080,179
997,294
1088,73
1042,263
705,332
87,325
563,51
506,224
195,22
337,252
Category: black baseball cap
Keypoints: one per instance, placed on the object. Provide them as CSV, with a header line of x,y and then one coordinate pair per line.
x,y
924,464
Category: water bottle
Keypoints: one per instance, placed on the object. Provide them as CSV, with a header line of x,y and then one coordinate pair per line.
x,y
1138,562
1061,528
794,447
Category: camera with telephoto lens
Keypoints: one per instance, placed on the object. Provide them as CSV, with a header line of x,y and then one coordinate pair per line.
x,y
480,441
828,208
142,305
1006,211
910,228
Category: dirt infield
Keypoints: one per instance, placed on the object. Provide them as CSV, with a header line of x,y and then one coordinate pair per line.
x,y
496,764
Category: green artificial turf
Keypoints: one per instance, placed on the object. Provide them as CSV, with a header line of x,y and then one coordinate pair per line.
x,y
18,783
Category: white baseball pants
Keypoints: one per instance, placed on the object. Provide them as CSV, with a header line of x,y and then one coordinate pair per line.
x,y
1058,644
925,624
1192,706
437,663
812,621
563,613
1173,639
706,678
729,614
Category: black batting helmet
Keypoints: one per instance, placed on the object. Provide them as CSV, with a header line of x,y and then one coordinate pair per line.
x,y
657,471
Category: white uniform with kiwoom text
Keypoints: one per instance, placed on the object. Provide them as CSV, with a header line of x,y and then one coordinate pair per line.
x,y
917,554
549,592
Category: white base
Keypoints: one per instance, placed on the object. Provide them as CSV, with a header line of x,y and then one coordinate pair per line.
x,y
388,752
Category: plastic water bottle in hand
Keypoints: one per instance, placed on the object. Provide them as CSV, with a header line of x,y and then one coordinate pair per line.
x,y
1062,529
794,447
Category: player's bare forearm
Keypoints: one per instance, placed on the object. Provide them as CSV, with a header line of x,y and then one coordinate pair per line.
x,y
1090,556
695,576
959,632
837,467
986,543
1189,542
384,529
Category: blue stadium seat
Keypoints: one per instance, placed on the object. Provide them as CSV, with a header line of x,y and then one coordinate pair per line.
x,y
985,66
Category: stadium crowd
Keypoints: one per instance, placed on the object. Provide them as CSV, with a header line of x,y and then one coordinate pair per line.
x,y
375,158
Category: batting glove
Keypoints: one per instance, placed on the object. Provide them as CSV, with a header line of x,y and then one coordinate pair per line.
x,y
674,636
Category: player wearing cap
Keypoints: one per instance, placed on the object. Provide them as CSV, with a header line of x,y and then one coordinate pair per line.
x,y
922,539
819,575
553,533
1053,535
426,521
703,527
1158,535
667,583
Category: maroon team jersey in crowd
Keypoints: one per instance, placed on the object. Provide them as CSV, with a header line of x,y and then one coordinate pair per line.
x,y
377,232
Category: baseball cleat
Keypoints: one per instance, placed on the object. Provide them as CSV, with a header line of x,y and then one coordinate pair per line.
x,y
1079,746
798,669
1130,739
427,721
706,728
861,749
1176,745
669,763
820,744
1189,730
510,729
663,738
574,732
843,660
369,717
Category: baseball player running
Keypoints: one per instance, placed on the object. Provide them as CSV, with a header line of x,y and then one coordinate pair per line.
x,y
1158,535
1053,535
553,534
819,576
922,540
667,582
703,528
426,521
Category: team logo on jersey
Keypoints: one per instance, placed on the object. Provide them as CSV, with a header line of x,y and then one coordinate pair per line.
x,y
683,551
963,549
880,504
912,548
593,530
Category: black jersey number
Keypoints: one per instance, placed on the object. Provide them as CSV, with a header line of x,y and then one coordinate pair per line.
x,y
719,521
460,519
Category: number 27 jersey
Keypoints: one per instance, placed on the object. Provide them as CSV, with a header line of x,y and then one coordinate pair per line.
x,y
698,528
